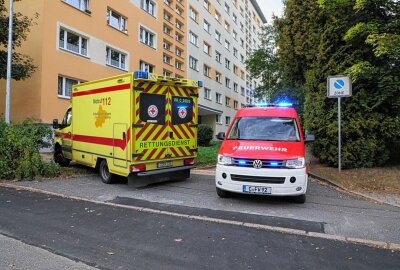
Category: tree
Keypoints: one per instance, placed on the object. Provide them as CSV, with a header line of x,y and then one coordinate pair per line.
x,y
22,65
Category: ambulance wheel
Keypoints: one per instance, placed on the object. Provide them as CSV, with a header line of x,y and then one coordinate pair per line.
x,y
223,193
299,199
106,176
60,159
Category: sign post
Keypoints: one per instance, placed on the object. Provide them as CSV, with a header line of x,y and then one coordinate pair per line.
x,y
338,87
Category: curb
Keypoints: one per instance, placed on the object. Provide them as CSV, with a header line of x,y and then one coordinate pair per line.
x,y
344,239
334,183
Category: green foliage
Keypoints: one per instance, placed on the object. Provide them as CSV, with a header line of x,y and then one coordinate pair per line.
x,y
22,66
19,145
360,39
205,135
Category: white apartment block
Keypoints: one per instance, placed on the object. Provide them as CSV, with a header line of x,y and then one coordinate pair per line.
x,y
221,35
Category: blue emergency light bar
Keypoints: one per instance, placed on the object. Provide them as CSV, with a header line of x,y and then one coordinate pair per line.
x,y
279,104
141,75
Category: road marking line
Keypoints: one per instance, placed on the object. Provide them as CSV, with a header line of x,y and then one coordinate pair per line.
x,y
352,240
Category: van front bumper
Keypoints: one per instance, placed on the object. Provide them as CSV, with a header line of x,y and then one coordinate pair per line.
x,y
286,188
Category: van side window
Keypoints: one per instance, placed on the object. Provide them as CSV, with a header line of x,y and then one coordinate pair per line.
x,y
67,118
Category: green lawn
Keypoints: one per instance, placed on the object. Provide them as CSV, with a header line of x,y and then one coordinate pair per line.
x,y
207,155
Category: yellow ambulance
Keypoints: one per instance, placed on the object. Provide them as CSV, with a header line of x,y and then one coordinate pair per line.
x,y
137,125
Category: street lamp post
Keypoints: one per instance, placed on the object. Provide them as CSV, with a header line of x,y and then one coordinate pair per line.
x,y
9,59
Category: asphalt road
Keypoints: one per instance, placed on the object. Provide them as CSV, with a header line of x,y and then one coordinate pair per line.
x,y
108,237
326,209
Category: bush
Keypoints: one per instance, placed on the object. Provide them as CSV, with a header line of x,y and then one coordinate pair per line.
x,y
205,135
19,148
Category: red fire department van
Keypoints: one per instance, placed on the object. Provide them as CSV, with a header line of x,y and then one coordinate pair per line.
x,y
263,153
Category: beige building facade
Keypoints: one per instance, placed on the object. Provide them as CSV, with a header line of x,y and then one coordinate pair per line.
x,y
81,40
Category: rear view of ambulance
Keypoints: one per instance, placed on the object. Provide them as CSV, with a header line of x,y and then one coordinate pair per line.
x,y
263,153
138,124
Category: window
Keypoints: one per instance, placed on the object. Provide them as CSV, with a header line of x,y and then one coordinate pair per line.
x,y
73,42
79,4
227,9
227,45
206,5
235,69
207,93
234,34
147,37
146,67
228,83
178,37
234,18
116,20
217,56
178,64
167,16
148,6
167,45
242,90
227,63
227,120
206,26
115,58
218,76
65,86
167,30
235,87
218,36
235,104
206,48
241,43
167,73
179,25
193,38
167,2
167,59
227,26
218,98
241,58
206,70
193,14
242,74
235,52
178,52
218,119
179,11
218,16
193,63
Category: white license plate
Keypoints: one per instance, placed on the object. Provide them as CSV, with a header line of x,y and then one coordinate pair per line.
x,y
256,190
164,164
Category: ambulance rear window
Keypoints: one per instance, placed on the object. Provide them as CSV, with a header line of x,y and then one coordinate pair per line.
x,y
152,108
265,129
182,110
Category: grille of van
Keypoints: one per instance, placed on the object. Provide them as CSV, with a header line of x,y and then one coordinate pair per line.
x,y
272,164
258,179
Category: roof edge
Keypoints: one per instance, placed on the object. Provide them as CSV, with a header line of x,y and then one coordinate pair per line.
x,y
258,9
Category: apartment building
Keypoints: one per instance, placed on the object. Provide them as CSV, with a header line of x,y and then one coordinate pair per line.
x,y
221,36
81,40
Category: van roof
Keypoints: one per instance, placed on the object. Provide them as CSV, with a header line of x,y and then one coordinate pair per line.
x,y
267,112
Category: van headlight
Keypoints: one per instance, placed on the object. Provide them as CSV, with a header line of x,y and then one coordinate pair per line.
x,y
297,163
224,160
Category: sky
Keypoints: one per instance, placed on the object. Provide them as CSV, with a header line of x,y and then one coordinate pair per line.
x,y
269,7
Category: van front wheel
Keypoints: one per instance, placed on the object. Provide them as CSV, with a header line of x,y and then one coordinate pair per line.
x,y
106,176
60,159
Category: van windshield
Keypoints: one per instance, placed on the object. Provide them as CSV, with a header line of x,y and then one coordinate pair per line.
x,y
265,129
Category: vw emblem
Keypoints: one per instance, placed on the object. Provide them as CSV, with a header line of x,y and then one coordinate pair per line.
x,y
257,164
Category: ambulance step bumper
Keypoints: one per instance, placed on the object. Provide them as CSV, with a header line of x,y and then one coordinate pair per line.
x,y
162,171
143,179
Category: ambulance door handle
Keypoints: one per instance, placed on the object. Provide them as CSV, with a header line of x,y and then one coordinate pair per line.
x,y
123,135
171,135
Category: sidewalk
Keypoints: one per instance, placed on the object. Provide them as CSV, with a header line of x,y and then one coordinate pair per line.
x,y
393,200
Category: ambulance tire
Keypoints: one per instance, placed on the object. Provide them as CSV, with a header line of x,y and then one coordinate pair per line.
x,y
105,175
299,199
223,193
60,159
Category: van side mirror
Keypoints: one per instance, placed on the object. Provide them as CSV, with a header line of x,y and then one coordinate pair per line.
x,y
309,138
221,136
55,124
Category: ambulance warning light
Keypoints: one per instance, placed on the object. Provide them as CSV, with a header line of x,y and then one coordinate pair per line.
x,y
141,75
